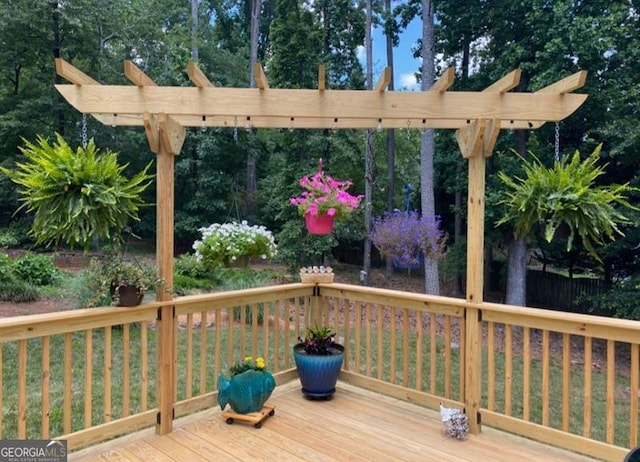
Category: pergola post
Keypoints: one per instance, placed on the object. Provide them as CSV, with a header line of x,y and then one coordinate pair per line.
x,y
165,139
475,273
476,143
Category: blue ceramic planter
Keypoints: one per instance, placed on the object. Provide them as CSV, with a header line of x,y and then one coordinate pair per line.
x,y
318,373
246,392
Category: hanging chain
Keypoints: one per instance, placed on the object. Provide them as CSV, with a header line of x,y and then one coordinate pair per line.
x,y
84,131
235,129
557,143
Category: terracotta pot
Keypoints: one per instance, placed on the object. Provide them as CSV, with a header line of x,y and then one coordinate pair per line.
x,y
318,224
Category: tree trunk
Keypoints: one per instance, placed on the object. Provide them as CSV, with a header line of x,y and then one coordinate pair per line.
x,y
391,134
517,264
256,6
368,177
57,46
194,30
431,281
517,273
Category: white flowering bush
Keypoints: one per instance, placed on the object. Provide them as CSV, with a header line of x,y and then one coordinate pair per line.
x,y
223,244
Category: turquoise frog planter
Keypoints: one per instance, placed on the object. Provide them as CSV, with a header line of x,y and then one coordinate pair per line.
x,y
245,392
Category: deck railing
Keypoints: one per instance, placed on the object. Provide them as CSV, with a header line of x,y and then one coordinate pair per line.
x,y
89,375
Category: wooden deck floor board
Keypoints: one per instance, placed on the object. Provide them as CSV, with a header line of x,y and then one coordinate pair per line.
x,y
356,425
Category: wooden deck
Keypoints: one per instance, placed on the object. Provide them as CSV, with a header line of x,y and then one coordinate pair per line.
x,y
356,425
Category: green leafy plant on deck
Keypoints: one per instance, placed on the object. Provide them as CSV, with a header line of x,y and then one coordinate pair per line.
x,y
76,195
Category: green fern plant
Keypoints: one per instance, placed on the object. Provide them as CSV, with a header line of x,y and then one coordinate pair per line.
x,y
76,195
566,193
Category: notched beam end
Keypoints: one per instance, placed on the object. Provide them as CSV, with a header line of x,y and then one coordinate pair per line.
x,y
322,77
261,78
73,74
566,85
445,81
384,80
136,75
198,77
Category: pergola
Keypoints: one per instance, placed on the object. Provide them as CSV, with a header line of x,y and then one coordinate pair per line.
x,y
477,117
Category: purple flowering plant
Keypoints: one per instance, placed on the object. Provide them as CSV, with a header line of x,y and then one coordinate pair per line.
x,y
404,235
323,194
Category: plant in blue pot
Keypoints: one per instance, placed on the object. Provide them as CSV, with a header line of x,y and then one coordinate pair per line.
x,y
318,360
246,387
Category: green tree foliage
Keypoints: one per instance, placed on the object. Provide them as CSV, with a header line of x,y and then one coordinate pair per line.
x,y
76,196
484,40
566,193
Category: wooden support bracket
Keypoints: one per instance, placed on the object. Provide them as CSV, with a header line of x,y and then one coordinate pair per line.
x,y
491,133
172,134
471,138
150,123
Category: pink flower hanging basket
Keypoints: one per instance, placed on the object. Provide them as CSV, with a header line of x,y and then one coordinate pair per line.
x,y
318,224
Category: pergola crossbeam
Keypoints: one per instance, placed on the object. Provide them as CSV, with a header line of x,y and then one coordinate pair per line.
x,y
305,108
345,105
209,121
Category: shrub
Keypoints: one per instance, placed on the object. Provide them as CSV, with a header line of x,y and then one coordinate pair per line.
x,y
36,269
188,265
8,238
5,266
621,302
15,290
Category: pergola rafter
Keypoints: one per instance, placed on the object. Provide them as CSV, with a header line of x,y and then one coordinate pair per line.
x,y
165,112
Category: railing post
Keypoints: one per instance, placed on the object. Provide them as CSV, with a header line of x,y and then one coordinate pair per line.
x,y
166,369
315,315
